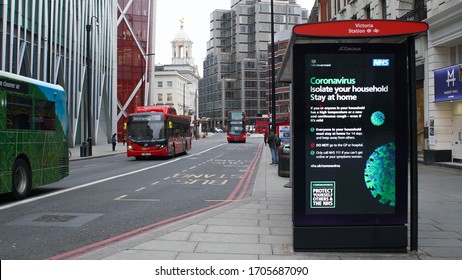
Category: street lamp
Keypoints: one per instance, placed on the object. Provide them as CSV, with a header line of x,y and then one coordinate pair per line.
x,y
147,78
89,138
184,96
223,96
273,72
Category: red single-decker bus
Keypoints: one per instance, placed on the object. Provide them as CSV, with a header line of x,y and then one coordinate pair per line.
x,y
157,131
236,131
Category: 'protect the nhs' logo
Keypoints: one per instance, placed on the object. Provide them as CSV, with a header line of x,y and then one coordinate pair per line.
x,y
381,62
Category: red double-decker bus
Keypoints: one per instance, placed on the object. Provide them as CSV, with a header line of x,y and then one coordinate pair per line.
x,y
157,131
261,124
236,131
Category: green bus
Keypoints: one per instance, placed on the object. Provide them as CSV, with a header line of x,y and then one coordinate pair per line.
x,y
33,134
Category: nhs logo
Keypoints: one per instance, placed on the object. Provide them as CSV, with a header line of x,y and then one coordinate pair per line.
x,y
380,62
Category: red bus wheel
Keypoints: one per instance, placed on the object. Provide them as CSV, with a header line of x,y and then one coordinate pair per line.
x,y
171,150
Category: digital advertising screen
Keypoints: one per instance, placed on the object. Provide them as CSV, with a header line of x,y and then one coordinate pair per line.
x,y
350,121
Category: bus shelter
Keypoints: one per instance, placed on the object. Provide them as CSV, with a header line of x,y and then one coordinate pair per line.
x,y
353,120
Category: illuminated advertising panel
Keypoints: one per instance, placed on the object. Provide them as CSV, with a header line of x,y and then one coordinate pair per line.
x,y
350,102
448,83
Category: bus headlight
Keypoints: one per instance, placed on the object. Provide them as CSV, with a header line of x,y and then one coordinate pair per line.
x,y
130,147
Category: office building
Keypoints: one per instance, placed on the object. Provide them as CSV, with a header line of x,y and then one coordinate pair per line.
x,y
235,68
135,58
49,41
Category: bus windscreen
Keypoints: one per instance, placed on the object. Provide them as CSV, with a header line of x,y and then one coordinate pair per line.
x,y
146,127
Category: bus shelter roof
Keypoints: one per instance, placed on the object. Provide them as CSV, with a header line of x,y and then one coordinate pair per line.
x,y
348,31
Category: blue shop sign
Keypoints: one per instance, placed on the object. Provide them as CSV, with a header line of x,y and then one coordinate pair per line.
x,y
448,83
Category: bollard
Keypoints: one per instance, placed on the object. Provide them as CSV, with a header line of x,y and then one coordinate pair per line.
x,y
83,149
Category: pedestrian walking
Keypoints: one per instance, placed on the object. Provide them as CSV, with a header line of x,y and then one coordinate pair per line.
x,y
274,142
265,137
124,139
114,141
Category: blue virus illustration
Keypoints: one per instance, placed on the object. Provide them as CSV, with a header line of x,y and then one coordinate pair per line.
x,y
377,118
379,174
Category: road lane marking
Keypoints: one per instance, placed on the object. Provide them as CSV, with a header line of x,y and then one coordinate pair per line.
x,y
250,171
107,242
140,189
138,199
246,177
27,200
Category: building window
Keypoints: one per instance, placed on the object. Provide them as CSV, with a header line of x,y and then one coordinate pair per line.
x,y
383,4
459,47
367,12
265,8
159,97
280,19
455,55
243,20
169,97
169,84
159,84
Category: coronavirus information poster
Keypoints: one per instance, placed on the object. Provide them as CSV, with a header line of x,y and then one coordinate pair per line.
x,y
355,125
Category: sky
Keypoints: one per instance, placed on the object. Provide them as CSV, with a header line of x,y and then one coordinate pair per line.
x,y
196,25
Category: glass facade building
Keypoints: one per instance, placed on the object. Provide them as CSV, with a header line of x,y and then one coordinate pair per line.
x,y
135,57
235,68
48,41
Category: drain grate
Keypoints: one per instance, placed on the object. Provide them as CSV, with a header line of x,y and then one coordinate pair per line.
x,y
55,218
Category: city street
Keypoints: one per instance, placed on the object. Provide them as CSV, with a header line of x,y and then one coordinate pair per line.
x,y
117,197
221,201
294,135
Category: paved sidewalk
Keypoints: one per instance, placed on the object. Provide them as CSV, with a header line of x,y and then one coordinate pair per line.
x,y
103,150
260,227
97,151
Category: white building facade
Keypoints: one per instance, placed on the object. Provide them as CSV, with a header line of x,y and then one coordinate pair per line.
x,y
443,118
174,89
439,116
176,84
